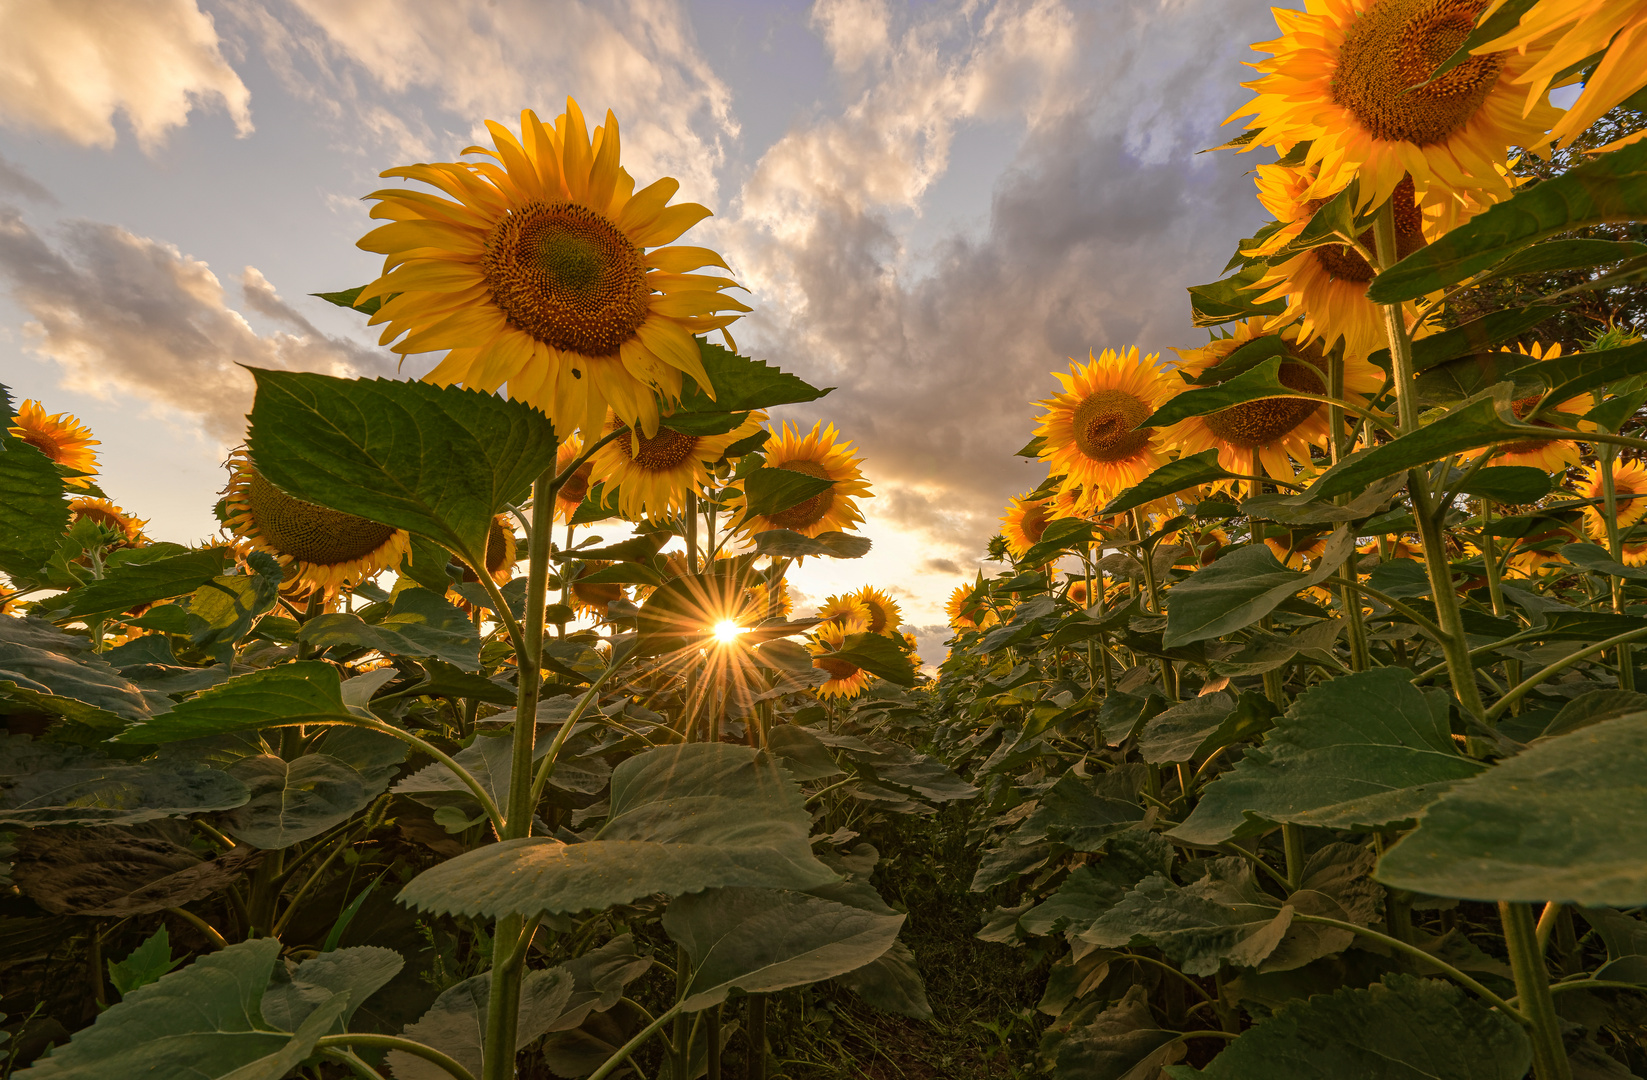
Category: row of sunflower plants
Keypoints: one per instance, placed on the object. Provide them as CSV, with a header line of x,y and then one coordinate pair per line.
x,y
411,773
1306,717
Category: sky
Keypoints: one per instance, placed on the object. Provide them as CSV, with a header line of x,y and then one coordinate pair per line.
x,y
933,206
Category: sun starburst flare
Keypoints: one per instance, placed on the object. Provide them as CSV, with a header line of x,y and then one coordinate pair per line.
x,y
536,274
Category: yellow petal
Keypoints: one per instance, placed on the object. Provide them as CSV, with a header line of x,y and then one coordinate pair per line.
x,y
603,175
677,348
669,225
575,153
646,204
679,260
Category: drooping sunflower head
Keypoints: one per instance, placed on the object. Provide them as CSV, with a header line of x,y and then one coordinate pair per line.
x,y
821,453
1077,593
652,475
1629,489
576,488
847,611
846,680
1550,455
1025,521
329,549
1278,431
1090,430
500,552
884,616
967,610
535,272
126,528
1295,549
593,598
1352,79
59,436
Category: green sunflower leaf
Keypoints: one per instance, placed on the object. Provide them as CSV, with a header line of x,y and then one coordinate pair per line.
x,y
1610,188
793,545
770,491
876,654
1260,382
432,460
1474,337
1187,472
1230,299
1240,588
742,384
349,298
36,512
305,692
1514,484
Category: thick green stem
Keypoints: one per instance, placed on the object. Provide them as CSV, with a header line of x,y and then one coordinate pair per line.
x,y
503,1000
612,1063
1515,693
1292,844
395,1042
757,1037
1532,987
691,517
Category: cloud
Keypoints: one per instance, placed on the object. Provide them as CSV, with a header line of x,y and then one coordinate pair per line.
x,y
14,181
125,315
1096,225
68,67
488,60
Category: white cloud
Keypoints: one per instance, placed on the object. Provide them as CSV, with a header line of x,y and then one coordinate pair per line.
x,y
488,60
855,30
69,66
127,316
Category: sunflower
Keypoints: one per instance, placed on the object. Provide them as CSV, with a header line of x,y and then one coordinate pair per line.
x,y
759,598
1550,455
1399,547
846,680
110,516
1066,502
1280,431
1326,286
500,552
1635,554
967,612
652,475
331,550
1077,593
1630,487
818,453
576,488
848,611
1587,27
594,599
1090,431
884,616
1345,75
1024,522
535,273
910,647
1293,550
59,436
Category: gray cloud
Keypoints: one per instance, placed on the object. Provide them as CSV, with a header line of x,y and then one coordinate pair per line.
x,y
124,314
14,181
1095,229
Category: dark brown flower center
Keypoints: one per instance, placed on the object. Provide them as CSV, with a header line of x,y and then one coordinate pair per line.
x,y
308,532
1346,264
1259,423
660,453
1104,425
1393,46
567,276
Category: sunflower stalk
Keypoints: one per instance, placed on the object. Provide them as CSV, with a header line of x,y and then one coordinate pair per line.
x,y
1609,494
503,1003
1426,514
1338,447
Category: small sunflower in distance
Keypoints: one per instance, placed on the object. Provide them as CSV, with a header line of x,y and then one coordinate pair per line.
x,y
1630,489
1550,455
535,273
321,548
110,516
1090,431
59,436
650,476
846,680
760,597
1077,593
576,488
967,612
910,648
1351,78
821,453
1025,521
593,598
884,616
1587,27
1280,431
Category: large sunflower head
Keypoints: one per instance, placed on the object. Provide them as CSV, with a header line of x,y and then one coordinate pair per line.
x,y
1551,455
1025,521
329,549
1326,286
884,616
576,488
821,453
536,273
1350,78
1630,488
652,475
59,436
1090,430
127,527
846,680
848,611
1280,431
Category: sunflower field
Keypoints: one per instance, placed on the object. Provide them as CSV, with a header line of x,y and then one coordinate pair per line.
x,y
1298,736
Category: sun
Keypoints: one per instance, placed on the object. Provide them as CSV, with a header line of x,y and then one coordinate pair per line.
x,y
727,631
536,273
